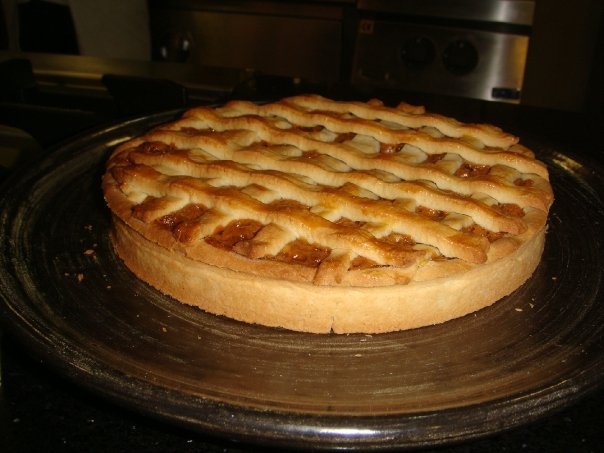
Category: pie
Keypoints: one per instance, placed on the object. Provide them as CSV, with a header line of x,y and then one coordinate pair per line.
x,y
323,216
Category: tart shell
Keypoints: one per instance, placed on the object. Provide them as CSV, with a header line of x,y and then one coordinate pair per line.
x,y
306,307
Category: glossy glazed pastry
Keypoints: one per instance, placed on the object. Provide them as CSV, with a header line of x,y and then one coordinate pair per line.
x,y
324,216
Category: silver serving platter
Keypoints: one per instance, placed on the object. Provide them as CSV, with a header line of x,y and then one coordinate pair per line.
x,y
69,298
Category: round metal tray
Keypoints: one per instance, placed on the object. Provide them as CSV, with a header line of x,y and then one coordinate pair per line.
x,y
67,296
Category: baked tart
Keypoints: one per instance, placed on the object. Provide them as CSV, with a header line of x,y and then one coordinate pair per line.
x,y
323,216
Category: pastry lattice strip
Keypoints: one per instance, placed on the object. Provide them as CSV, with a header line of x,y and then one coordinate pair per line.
x,y
260,156
238,114
310,227
293,149
259,130
326,202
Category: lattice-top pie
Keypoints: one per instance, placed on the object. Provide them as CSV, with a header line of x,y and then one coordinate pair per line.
x,y
319,216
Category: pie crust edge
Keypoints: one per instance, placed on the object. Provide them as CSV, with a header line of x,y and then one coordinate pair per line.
x,y
310,308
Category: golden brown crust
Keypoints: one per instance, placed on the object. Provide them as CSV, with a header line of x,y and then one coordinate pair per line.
x,y
312,199
319,309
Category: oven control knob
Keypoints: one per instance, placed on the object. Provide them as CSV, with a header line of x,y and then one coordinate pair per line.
x,y
418,52
176,47
460,57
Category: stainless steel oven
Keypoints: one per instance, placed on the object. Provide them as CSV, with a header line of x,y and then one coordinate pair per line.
x,y
532,52
469,48
300,39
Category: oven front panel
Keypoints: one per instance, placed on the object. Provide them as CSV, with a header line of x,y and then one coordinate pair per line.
x,y
459,61
290,40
